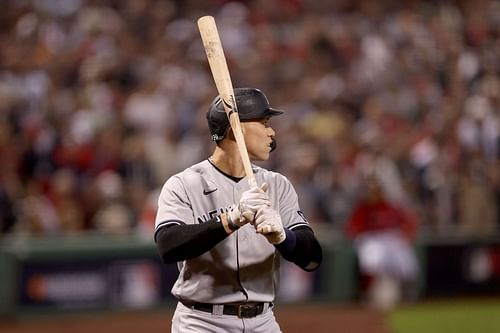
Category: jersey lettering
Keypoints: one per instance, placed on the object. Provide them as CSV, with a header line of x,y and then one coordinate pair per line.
x,y
207,216
211,214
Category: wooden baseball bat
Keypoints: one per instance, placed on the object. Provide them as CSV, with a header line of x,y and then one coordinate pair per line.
x,y
220,72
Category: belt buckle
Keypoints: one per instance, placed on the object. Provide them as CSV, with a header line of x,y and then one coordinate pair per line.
x,y
247,311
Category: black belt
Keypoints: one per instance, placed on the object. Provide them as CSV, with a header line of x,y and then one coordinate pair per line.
x,y
243,310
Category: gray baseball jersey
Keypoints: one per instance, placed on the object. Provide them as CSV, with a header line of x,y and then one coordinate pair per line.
x,y
242,267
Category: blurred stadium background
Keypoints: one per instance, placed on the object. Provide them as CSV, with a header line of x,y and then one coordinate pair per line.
x,y
101,101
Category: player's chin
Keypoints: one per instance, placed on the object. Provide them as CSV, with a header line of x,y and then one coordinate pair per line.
x,y
260,156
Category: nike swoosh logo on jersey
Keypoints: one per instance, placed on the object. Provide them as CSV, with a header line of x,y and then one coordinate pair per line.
x,y
209,191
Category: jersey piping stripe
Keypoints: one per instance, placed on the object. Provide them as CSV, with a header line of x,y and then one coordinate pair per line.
x,y
298,225
167,224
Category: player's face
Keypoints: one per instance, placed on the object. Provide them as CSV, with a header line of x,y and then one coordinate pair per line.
x,y
258,138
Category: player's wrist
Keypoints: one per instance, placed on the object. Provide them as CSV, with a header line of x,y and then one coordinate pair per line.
x,y
228,224
232,221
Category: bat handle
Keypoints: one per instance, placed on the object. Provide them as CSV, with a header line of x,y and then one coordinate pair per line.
x,y
252,182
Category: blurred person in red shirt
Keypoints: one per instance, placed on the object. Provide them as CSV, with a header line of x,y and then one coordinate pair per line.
x,y
383,235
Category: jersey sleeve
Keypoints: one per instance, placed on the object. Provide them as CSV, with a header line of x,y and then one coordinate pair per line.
x,y
174,207
301,246
289,209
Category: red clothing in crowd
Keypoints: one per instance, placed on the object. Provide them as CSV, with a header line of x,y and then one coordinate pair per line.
x,y
380,215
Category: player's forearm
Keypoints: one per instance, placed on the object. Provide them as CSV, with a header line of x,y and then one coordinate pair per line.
x,y
186,241
302,248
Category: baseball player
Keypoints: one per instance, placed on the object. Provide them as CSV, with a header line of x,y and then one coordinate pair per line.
x,y
383,234
227,238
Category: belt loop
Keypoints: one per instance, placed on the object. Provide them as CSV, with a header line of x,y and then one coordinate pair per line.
x,y
265,307
218,309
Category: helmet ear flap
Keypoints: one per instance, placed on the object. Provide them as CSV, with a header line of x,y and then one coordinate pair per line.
x,y
218,125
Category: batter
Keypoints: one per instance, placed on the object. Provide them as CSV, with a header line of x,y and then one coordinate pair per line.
x,y
227,238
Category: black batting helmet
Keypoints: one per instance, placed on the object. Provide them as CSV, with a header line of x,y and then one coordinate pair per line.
x,y
251,103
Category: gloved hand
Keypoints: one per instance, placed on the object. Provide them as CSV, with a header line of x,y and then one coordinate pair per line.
x,y
268,223
250,201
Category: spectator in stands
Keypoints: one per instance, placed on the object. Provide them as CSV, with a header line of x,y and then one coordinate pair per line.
x,y
477,216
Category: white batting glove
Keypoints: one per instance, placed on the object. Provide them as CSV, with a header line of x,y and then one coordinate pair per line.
x,y
250,201
268,223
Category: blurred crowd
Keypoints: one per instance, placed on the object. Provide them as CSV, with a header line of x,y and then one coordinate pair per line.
x,y
102,101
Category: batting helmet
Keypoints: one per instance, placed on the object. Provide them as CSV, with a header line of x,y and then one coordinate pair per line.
x,y
251,103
